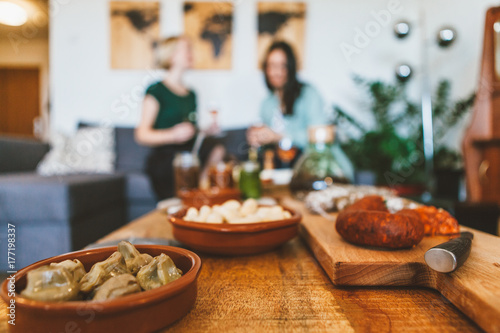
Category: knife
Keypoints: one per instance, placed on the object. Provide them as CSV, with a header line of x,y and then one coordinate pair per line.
x,y
449,256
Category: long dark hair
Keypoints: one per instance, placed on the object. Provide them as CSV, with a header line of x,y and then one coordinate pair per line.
x,y
293,87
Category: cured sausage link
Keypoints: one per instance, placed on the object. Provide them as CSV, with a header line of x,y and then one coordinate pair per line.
x,y
383,229
370,202
437,221
368,222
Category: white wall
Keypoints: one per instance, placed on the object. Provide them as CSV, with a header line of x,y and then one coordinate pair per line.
x,y
85,88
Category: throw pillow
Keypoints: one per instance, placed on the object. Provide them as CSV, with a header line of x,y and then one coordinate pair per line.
x,y
90,150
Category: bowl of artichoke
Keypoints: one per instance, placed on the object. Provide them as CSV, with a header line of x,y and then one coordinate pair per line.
x,y
127,288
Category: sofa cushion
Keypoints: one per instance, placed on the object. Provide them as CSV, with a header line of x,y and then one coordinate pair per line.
x,y
140,208
130,156
138,187
18,155
89,150
28,196
235,141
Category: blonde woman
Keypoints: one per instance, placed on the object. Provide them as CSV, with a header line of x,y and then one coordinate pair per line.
x,y
168,122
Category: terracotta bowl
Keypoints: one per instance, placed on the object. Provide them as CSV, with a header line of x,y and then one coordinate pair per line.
x,y
146,311
210,197
234,239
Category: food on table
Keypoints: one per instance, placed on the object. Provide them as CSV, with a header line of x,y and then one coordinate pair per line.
x,y
232,211
369,222
191,214
160,271
134,260
75,267
52,284
102,271
117,286
124,272
338,196
249,207
437,221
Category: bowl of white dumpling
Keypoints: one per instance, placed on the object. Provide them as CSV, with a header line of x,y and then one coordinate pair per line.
x,y
235,228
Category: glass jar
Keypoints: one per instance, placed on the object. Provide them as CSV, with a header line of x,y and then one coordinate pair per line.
x,y
186,171
250,186
220,175
318,167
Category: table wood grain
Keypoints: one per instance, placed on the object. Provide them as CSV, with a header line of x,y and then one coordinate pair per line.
x,y
287,291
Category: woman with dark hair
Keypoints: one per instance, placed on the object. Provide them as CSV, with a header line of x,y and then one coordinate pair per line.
x,y
291,107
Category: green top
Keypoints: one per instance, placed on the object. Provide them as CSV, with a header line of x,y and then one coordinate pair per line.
x,y
174,109
308,110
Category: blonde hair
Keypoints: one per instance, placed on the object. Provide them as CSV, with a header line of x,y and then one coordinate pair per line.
x,y
165,50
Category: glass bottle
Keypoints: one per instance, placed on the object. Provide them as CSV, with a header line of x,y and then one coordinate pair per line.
x,y
318,167
250,186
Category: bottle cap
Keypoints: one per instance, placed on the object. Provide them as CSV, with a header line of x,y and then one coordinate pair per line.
x,y
250,166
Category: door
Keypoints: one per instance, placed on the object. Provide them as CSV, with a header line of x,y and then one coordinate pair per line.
x,y
19,100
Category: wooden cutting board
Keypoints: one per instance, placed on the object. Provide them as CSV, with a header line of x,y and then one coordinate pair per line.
x,y
474,288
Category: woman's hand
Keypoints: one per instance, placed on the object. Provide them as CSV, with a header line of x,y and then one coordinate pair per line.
x,y
182,132
213,130
258,136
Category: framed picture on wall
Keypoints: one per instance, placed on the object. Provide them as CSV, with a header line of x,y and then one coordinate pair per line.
x,y
284,21
134,31
209,26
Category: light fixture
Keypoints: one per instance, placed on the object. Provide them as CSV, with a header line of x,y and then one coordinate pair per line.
x,y
496,26
403,72
12,14
402,29
446,36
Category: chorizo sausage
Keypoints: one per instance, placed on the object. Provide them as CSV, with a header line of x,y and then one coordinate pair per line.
x,y
368,222
437,221
370,202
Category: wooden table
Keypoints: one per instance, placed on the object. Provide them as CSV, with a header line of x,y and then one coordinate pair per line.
x,y
287,291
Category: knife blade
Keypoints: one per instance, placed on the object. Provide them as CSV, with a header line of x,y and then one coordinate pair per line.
x,y
449,256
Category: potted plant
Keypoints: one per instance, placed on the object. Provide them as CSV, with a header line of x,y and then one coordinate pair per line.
x,y
391,147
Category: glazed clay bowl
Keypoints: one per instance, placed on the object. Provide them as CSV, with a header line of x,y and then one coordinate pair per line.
x,y
213,196
146,311
234,239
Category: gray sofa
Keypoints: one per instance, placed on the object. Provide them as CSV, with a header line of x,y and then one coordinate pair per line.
x,y
52,215
130,160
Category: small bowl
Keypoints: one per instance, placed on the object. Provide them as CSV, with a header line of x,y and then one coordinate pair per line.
x,y
213,196
146,311
234,239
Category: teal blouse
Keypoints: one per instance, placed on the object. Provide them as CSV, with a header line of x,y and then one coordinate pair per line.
x,y
308,110
174,109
